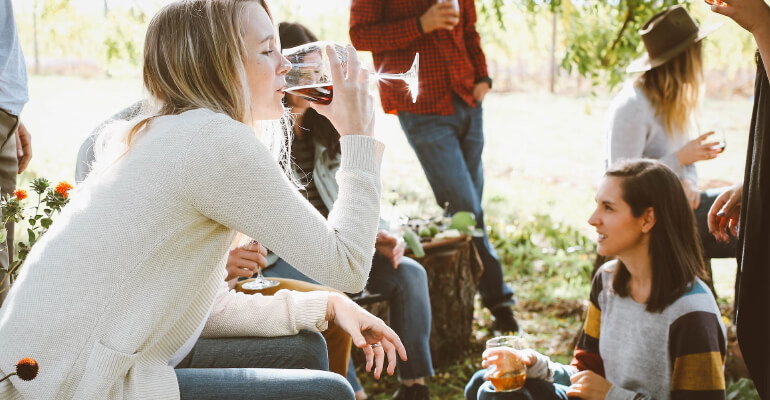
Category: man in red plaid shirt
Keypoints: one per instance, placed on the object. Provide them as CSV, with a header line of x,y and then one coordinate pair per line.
x,y
444,126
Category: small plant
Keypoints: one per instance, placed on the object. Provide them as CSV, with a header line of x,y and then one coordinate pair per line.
x,y
50,201
26,369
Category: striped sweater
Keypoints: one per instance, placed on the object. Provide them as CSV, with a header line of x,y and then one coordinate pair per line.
x,y
677,354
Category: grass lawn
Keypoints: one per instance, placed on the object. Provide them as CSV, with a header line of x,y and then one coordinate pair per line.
x,y
544,156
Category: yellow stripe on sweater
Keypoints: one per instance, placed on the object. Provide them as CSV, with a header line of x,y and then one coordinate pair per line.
x,y
593,321
700,371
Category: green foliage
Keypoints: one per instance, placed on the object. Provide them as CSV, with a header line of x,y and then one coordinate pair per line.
x,y
50,200
555,258
743,389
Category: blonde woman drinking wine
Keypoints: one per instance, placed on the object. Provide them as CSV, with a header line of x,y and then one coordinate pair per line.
x,y
125,281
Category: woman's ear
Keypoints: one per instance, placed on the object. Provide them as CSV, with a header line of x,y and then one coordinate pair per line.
x,y
648,220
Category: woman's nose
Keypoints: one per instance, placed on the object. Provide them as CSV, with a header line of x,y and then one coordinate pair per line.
x,y
285,66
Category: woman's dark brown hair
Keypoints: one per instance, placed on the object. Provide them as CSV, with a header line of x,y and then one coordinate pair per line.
x,y
675,253
322,131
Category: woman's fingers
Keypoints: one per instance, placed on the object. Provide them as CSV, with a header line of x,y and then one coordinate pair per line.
x,y
390,350
369,354
354,64
379,360
336,66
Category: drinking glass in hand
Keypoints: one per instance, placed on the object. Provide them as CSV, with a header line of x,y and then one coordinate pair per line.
x,y
260,282
718,135
310,74
507,371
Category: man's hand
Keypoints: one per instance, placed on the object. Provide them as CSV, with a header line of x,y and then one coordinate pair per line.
x,y
245,260
23,147
588,385
390,246
480,91
725,212
440,16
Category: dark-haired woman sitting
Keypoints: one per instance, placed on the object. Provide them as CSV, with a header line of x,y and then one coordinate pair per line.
x,y
653,329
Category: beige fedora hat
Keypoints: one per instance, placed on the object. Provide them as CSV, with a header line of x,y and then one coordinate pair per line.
x,y
666,35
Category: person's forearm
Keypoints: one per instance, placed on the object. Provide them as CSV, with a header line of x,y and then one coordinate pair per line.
x,y
762,37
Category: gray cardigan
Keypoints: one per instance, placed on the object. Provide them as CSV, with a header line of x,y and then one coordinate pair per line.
x,y
634,131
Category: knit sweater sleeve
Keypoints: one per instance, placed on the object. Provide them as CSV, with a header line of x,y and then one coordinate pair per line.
x,y
284,313
697,348
230,177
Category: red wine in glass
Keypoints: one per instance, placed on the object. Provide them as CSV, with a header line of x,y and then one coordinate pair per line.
x,y
320,93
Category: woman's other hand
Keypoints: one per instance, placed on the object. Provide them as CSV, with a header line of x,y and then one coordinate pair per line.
x,y
696,150
245,260
390,246
366,330
588,385
692,192
725,212
751,15
352,108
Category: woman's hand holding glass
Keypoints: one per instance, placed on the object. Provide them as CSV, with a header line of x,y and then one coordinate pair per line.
x,y
351,110
390,246
368,332
698,149
246,260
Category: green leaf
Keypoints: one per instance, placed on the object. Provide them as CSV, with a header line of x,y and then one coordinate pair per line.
x,y
31,236
46,222
413,243
461,220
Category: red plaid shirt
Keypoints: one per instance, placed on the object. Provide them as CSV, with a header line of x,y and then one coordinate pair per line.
x,y
450,61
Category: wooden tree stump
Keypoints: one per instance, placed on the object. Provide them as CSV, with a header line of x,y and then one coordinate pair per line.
x,y
454,269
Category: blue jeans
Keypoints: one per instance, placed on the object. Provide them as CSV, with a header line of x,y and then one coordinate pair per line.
x,y
264,368
449,148
406,287
534,389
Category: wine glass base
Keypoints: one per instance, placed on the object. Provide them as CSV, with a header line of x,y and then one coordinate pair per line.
x,y
258,284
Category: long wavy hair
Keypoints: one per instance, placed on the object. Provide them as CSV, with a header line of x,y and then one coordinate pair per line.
x,y
674,89
193,58
675,252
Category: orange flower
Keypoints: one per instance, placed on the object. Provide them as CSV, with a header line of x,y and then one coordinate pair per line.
x,y
20,194
63,188
26,369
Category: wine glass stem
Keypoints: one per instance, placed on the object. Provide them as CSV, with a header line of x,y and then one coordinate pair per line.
x,y
384,75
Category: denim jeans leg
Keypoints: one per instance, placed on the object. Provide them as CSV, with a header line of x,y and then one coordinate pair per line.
x,y
261,383
246,368
303,350
442,144
410,316
534,389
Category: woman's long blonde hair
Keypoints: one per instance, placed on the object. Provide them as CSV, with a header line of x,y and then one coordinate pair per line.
x,y
193,58
674,88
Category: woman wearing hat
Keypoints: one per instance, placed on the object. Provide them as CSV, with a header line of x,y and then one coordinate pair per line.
x,y
654,115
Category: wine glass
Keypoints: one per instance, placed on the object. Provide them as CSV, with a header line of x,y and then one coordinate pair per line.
x,y
508,373
310,74
718,135
260,282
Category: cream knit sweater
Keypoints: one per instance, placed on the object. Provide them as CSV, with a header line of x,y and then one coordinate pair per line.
x,y
133,264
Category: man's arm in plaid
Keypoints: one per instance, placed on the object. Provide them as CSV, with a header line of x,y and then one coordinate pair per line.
x,y
473,41
369,32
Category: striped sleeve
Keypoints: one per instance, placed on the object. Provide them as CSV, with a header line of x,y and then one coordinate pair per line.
x,y
586,355
697,350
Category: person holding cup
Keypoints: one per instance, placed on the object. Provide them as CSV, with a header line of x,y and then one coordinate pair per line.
x,y
653,330
654,115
